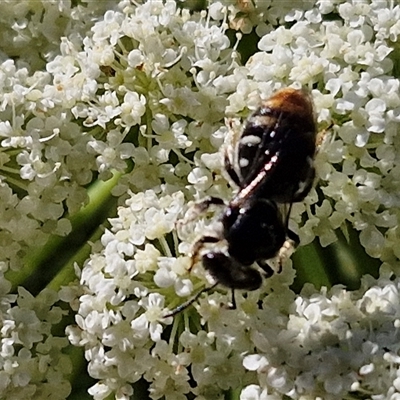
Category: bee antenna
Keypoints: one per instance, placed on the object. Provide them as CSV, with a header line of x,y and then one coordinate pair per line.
x,y
189,302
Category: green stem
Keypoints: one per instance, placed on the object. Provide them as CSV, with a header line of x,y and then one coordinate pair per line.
x,y
352,261
79,378
43,264
309,267
67,272
343,262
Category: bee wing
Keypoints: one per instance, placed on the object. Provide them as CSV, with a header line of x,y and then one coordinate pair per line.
x,y
275,157
260,149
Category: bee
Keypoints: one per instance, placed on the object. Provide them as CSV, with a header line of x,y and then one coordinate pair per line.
x,y
272,166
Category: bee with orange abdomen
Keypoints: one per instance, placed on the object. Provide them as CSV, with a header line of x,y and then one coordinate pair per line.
x,y
272,164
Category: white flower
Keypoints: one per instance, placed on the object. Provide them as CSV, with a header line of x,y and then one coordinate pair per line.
x,y
132,109
175,83
32,359
151,319
142,98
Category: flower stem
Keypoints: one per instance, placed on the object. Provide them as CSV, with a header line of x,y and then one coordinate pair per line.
x,y
42,265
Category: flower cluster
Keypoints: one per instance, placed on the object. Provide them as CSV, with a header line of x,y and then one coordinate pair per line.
x,y
31,32
144,96
131,287
187,90
32,364
123,308
332,345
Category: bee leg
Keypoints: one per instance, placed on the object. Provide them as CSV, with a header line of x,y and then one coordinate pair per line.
x,y
230,147
198,208
203,206
294,237
287,217
266,268
287,248
195,256
233,301
321,136
232,304
230,170
274,265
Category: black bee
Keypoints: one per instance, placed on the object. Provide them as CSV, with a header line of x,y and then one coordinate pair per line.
x,y
272,166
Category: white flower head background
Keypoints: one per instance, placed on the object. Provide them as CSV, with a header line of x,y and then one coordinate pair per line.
x,y
131,105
